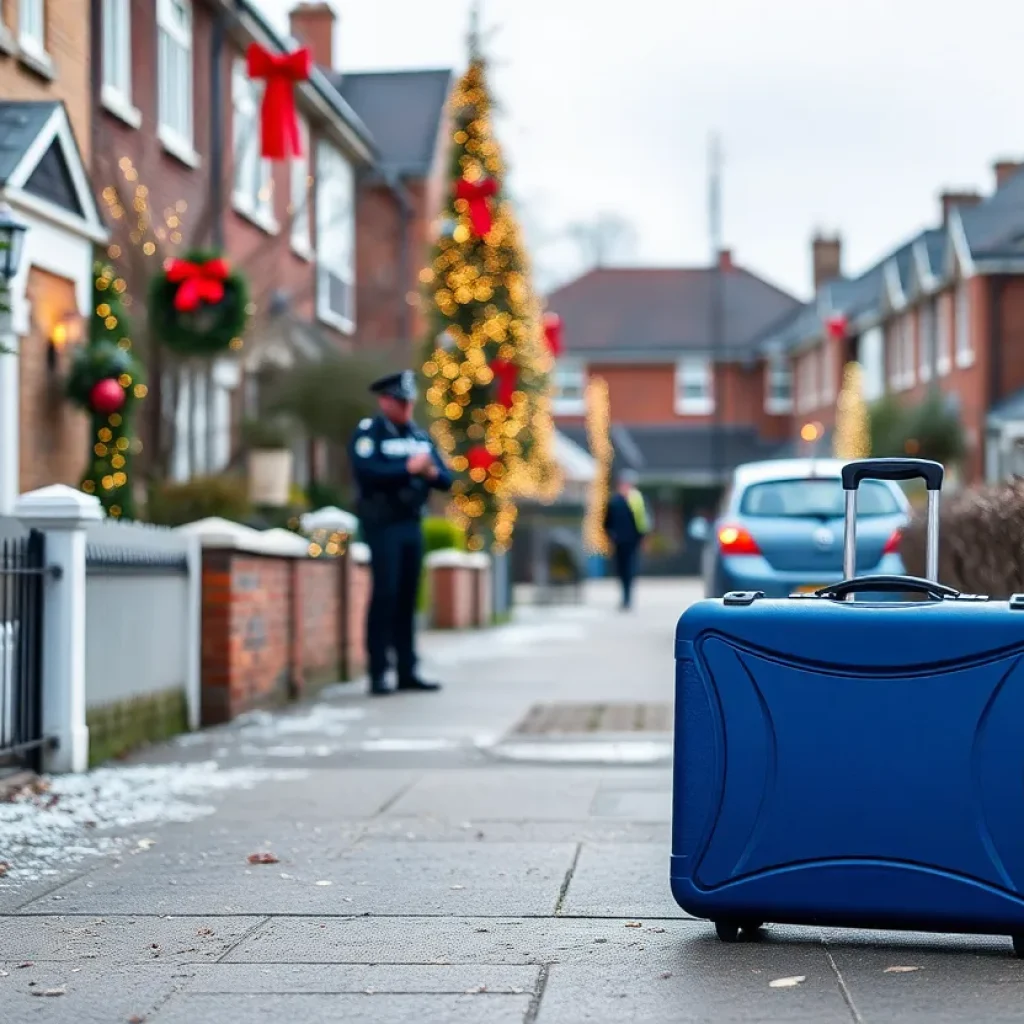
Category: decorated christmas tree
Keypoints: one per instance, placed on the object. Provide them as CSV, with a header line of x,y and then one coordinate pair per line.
x,y
853,426
487,360
599,440
105,381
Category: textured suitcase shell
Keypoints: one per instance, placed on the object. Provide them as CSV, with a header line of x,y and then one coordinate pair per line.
x,y
851,764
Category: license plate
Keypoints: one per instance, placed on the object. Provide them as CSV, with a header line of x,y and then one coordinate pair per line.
x,y
809,590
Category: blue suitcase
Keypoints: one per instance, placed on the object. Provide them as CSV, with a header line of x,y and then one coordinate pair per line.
x,y
852,763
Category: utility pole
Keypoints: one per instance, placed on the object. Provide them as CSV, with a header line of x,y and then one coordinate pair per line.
x,y
717,305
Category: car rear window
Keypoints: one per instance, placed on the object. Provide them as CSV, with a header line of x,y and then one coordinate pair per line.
x,y
819,498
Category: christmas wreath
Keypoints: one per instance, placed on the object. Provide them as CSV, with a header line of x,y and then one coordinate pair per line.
x,y
198,304
104,379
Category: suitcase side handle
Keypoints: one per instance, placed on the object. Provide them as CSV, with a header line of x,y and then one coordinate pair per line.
x,y
888,584
893,469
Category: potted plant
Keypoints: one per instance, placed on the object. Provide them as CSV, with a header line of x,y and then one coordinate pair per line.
x,y
269,454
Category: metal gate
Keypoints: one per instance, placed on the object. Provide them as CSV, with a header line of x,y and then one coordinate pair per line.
x,y
22,575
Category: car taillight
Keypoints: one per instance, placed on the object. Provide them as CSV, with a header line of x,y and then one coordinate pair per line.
x,y
892,545
734,540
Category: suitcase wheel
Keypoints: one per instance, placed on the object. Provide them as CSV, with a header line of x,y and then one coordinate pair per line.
x,y
736,931
1018,944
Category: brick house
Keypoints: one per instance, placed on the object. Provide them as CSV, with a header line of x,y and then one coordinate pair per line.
x,y
684,406
44,123
176,113
944,309
399,199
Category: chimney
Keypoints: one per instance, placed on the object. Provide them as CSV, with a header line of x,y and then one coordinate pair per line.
x,y
725,259
826,259
1005,170
312,24
950,200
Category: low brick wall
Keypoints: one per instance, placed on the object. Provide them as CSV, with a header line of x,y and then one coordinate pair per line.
x,y
277,624
460,590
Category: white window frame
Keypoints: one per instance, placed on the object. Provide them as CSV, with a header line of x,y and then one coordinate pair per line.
x,y
176,99
32,28
809,380
116,92
962,320
943,335
899,380
778,385
298,202
690,371
252,178
570,386
335,233
829,384
927,340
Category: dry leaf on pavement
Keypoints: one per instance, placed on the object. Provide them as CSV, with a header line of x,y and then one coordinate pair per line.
x,y
788,982
262,858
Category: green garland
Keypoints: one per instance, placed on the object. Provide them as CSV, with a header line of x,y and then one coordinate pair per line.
x,y
209,328
107,356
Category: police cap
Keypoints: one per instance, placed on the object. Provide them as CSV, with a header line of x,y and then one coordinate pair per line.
x,y
396,385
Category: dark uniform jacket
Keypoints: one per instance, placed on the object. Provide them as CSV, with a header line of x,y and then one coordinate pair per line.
x,y
387,492
620,523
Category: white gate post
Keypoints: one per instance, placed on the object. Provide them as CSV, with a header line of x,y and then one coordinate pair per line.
x,y
63,513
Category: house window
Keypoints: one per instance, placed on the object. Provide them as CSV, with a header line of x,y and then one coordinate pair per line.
x,y
943,335
807,396
299,200
335,238
117,51
901,354
694,387
828,370
778,385
872,361
253,190
570,387
174,75
32,27
964,352
926,329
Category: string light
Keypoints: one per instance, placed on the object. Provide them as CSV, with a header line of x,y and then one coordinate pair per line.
x,y
853,434
598,419
481,307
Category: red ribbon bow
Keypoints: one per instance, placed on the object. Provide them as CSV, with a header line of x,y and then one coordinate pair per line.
x,y
505,377
279,125
836,326
553,333
197,282
476,193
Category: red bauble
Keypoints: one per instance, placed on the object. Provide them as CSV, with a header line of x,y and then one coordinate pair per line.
x,y
107,397
836,327
553,333
479,457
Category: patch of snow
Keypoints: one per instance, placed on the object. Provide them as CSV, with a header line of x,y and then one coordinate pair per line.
x,y
320,718
638,752
64,824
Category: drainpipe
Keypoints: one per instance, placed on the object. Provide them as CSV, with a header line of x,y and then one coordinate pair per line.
x,y
406,211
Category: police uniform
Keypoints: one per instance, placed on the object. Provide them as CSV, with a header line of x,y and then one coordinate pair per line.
x,y
390,508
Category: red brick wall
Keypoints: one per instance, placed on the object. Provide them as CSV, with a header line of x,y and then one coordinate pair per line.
x,y
320,622
272,629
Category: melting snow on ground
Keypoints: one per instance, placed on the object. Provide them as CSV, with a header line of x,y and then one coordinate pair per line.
x,y
68,818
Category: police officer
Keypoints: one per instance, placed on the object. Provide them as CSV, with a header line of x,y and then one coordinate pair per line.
x,y
396,466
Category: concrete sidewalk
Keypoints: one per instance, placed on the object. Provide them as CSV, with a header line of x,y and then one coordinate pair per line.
x,y
424,863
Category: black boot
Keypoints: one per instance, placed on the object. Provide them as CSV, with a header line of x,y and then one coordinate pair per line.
x,y
417,684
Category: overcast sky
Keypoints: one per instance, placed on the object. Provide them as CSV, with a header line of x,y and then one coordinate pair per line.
x,y
847,116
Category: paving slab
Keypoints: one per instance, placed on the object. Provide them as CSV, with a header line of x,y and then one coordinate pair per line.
x,y
92,993
420,829
951,978
352,1009
620,880
472,940
370,878
227,978
121,940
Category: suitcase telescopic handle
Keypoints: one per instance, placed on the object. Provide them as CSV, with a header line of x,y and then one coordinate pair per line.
x,y
893,469
888,584
854,473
